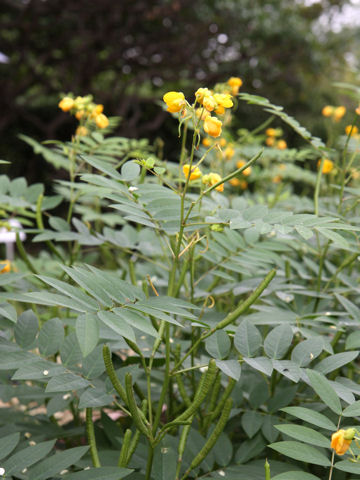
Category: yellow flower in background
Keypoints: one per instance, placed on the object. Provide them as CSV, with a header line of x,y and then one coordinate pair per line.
x,y
102,121
235,182
201,93
66,104
327,111
206,142
247,170
222,142
341,440
328,165
212,126
98,109
339,112
351,130
270,141
281,145
175,101
201,113
277,179
195,172
235,84
357,110
81,131
79,114
211,179
271,132
229,152
6,266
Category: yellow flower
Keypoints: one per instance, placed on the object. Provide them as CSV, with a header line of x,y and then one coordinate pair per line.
x,y
235,182
270,141
195,172
101,120
247,170
201,93
211,179
357,110
282,166
271,132
6,266
229,152
223,101
206,142
277,179
222,142
99,109
351,128
212,126
79,114
339,112
235,83
81,131
175,101
200,112
281,145
341,440
66,104
327,111
209,103
327,166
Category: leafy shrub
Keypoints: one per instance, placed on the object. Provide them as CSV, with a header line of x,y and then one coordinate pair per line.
x,y
190,319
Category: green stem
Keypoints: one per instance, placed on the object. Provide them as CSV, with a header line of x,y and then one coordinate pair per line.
x,y
91,438
149,462
24,255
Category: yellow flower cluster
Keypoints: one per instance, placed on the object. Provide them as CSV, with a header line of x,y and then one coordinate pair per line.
x,y
272,140
336,113
209,102
86,111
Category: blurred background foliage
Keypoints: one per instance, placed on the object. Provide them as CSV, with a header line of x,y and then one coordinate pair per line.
x,y
128,53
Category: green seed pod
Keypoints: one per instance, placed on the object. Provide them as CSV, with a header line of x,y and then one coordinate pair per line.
x,y
210,442
213,400
267,470
124,452
112,374
91,438
206,383
183,439
223,399
140,425
136,437
182,390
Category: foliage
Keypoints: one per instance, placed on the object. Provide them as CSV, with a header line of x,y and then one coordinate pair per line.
x,y
172,326
126,53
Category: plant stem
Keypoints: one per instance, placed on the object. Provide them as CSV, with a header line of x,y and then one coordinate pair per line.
x,y
149,462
